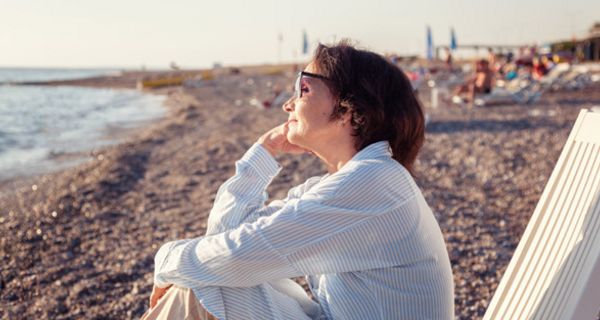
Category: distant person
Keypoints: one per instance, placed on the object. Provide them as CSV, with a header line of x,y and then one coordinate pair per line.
x,y
547,61
481,82
449,59
362,234
509,57
539,69
524,59
492,59
510,71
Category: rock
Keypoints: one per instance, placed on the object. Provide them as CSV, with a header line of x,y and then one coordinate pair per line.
x,y
12,297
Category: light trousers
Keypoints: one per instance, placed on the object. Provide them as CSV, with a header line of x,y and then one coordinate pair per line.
x,y
178,303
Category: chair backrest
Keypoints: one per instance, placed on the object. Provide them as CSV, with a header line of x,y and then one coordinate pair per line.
x,y
555,270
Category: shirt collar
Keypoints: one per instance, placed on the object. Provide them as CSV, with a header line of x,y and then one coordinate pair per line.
x,y
374,150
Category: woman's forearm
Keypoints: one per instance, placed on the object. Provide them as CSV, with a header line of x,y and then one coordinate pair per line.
x,y
243,196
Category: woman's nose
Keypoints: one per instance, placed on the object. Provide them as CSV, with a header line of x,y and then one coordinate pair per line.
x,y
288,106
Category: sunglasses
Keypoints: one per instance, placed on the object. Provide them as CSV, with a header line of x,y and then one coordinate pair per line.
x,y
298,84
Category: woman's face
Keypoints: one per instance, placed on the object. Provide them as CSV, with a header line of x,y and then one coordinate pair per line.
x,y
309,121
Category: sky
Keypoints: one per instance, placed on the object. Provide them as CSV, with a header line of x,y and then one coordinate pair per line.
x,y
199,33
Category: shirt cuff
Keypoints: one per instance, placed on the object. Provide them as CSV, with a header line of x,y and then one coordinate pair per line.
x,y
262,161
160,261
161,285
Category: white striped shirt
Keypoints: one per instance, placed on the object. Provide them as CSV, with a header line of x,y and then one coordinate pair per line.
x,y
364,237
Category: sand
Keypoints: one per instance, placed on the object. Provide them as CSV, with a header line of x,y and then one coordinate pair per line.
x,y
80,243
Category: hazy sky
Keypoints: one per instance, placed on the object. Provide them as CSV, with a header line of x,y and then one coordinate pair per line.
x,y
132,33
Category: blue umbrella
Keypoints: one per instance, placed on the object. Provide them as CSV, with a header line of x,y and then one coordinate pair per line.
x,y
452,39
304,42
429,44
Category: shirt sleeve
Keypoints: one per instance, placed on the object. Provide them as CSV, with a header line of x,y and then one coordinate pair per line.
x,y
314,234
242,197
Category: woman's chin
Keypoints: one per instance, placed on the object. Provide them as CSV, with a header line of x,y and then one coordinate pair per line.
x,y
293,138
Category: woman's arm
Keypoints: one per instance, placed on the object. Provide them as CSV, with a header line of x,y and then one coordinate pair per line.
x,y
316,234
241,199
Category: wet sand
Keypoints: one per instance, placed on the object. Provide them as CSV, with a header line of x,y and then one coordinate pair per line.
x,y
80,243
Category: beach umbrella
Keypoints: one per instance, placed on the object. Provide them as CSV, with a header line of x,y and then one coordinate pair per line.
x,y
429,44
304,42
452,39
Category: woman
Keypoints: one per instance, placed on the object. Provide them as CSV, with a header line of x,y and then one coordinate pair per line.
x,y
362,234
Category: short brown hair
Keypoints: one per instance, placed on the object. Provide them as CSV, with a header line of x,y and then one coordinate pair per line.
x,y
378,95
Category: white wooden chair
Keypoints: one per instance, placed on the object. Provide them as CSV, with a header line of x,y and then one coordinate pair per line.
x,y
555,270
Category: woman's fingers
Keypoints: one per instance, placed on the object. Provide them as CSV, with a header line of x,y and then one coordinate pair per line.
x,y
155,297
287,146
275,141
153,300
157,293
294,149
286,128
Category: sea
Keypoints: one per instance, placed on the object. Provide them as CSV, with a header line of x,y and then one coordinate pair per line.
x,y
48,128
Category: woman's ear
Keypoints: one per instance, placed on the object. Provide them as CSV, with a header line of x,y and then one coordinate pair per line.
x,y
345,119
346,116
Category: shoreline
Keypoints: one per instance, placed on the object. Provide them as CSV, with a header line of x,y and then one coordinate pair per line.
x,y
64,161
82,243
111,134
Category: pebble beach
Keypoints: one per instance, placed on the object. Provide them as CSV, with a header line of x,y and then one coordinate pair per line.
x,y
80,243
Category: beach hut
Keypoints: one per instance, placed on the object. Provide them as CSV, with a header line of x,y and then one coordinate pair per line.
x,y
591,45
586,49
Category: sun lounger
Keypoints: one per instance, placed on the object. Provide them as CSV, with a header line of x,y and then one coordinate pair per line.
x,y
525,90
555,270
522,90
555,74
529,93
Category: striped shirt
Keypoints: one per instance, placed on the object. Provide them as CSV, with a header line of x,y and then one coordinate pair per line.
x,y
364,237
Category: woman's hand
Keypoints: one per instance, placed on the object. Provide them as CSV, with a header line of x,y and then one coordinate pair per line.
x,y
157,293
275,141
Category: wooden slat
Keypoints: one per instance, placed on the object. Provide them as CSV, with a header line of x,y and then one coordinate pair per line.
x,y
555,269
